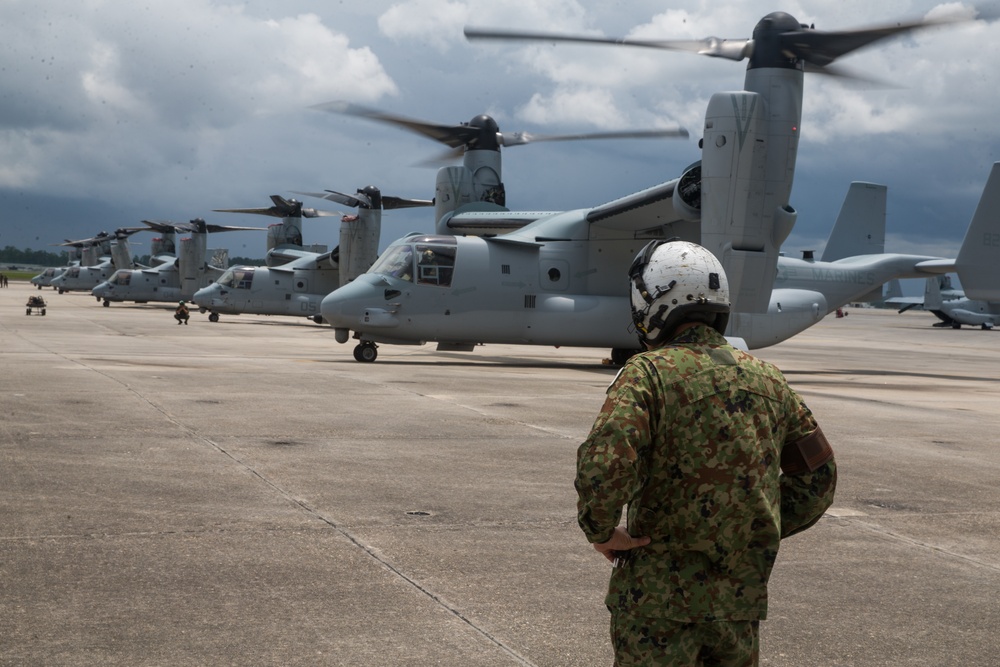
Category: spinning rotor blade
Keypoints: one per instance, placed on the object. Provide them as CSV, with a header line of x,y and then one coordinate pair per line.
x,y
820,48
455,136
778,38
711,46
481,133
521,138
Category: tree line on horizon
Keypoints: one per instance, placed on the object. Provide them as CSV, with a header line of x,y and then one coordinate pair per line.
x,y
11,255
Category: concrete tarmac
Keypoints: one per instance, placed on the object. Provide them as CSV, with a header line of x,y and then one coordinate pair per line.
x,y
245,493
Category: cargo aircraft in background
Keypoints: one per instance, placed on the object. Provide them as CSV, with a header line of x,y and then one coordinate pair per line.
x,y
957,311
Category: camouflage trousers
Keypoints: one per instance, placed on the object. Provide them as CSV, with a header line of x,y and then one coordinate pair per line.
x,y
657,642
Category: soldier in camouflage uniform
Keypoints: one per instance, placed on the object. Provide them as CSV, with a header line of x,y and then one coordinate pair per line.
x,y
717,458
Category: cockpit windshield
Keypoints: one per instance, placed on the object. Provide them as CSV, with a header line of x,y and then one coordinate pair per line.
x,y
396,261
434,263
238,278
123,277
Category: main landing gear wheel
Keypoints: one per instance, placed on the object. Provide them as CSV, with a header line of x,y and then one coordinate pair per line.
x,y
366,352
214,317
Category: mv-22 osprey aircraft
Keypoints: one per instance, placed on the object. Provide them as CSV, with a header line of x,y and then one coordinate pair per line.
x,y
299,286
295,280
560,279
175,278
100,256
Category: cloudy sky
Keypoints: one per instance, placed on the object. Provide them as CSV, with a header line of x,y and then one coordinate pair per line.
x,y
114,110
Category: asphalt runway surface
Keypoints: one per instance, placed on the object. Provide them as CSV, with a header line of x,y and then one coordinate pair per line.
x,y
246,493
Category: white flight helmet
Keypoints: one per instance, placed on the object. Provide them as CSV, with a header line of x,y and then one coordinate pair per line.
x,y
671,280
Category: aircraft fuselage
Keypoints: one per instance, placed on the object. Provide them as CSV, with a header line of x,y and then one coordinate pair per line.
x,y
264,291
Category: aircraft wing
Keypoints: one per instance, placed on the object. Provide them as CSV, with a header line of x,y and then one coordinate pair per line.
x,y
279,255
645,209
490,223
650,211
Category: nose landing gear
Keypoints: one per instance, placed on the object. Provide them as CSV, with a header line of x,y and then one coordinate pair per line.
x,y
366,352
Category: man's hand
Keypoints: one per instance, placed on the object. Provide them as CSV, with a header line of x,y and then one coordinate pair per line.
x,y
620,541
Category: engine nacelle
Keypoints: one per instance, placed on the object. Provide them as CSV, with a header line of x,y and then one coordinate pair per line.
x,y
359,237
288,232
687,194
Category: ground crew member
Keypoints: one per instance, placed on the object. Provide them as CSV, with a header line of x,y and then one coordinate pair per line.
x,y
181,314
717,458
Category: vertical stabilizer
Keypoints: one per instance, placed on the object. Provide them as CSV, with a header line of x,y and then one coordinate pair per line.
x,y
860,227
932,294
978,262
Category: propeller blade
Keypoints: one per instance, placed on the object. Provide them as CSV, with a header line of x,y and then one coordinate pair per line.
x,y
521,138
166,227
362,200
346,200
821,48
196,226
711,46
451,135
212,228
389,202
125,232
317,213
256,211
449,156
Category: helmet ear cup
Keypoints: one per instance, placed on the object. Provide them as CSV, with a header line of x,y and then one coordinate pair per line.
x,y
672,280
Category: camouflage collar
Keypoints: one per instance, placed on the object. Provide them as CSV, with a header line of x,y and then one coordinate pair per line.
x,y
700,334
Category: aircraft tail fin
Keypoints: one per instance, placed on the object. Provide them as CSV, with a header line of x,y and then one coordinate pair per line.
x,y
932,294
978,261
893,289
860,227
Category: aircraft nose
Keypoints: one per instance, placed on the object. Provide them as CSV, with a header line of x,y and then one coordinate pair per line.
x,y
204,296
345,306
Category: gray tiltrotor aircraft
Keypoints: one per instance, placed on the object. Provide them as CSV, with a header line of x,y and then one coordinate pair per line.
x,y
297,285
100,256
559,280
296,280
178,278
961,310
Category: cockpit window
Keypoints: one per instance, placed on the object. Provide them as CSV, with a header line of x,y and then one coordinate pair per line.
x,y
397,262
238,278
435,265
122,278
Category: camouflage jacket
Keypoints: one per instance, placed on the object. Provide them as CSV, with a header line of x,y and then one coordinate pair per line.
x,y
690,438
